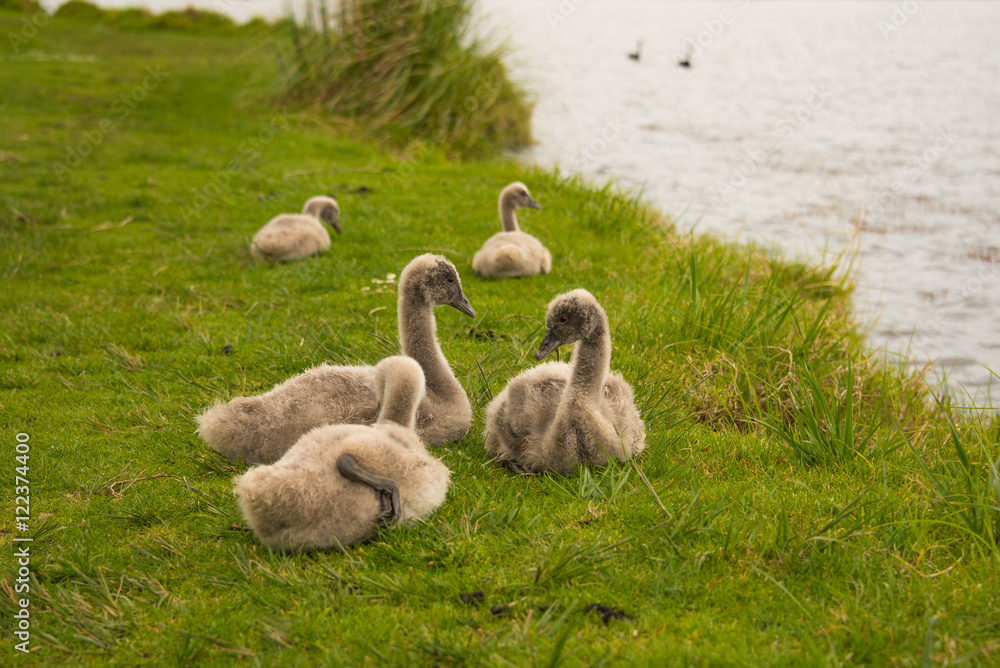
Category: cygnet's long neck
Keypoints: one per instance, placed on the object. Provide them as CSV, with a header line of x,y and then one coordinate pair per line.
x,y
507,217
418,339
591,362
399,402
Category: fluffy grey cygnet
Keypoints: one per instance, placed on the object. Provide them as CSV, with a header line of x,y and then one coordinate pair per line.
x,y
339,482
557,416
262,428
512,253
293,236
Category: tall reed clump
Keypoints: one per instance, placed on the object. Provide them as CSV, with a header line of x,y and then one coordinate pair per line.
x,y
407,69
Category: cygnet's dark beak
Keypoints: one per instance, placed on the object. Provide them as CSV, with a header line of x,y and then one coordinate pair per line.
x,y
549,343
532,204
462,304
332,218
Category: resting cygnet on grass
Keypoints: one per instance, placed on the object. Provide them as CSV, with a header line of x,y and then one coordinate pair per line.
x,y
512,253
557,416
293,236
262,428
339,482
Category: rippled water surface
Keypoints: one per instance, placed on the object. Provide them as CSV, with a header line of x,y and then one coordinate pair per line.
x,y
810,127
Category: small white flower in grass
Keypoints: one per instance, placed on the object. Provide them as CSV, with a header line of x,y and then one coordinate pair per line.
x,y
388,281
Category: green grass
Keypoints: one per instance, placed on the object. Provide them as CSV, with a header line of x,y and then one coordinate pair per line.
x,y
125,274
23,6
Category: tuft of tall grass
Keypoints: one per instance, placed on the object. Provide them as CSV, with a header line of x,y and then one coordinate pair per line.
x,y
825,424
969,487
407,69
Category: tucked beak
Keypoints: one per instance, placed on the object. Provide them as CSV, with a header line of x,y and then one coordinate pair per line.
x,y
462,304
532,204
549,343
334,222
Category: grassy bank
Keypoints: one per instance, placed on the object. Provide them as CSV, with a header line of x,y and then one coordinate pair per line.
x,y
798,504
135,19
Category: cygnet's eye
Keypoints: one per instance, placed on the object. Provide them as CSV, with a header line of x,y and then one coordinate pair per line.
x,y
563,319
451,279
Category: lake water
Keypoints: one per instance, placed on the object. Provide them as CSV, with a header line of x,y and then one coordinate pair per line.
x,y
814,128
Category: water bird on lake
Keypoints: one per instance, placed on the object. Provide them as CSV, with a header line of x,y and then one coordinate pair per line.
x,y
294,236
320,493
512,253
637,54
262,428
686,60
557,416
